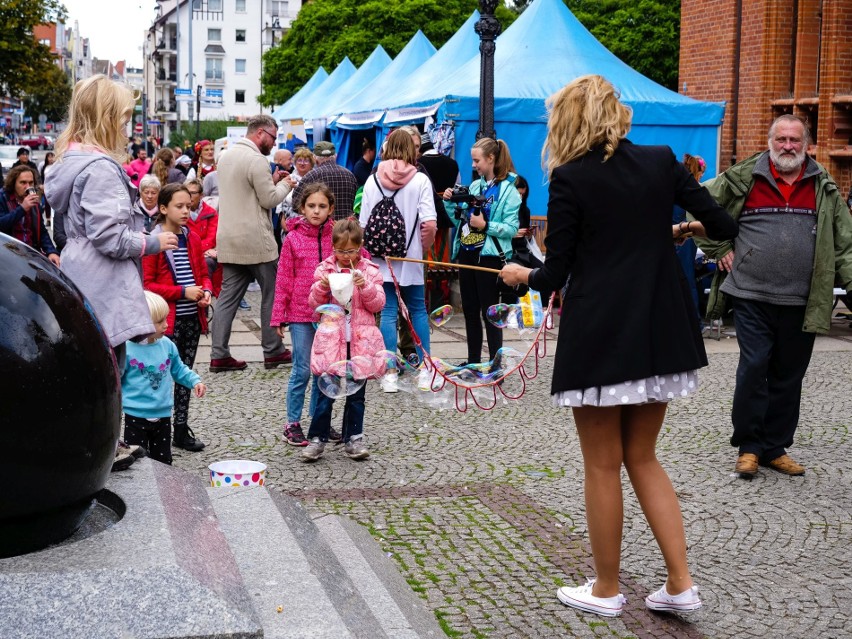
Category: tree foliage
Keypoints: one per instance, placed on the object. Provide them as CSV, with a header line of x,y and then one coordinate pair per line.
x,y
207,130
644,34
25,65
51,98
328,30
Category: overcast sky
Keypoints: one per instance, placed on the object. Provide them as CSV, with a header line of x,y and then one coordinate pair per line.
x,y
116,30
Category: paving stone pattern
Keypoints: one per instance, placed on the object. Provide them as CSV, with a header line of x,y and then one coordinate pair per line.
x,y
483,511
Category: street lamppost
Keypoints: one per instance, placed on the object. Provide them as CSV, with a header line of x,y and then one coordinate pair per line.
x,y
488,27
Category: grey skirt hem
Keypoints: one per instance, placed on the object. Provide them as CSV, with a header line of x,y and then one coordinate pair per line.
x,y
658,388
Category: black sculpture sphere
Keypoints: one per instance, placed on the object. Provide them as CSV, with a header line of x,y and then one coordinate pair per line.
x,y
60,402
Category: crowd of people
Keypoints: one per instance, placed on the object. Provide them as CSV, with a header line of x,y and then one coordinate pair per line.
x,y
157,245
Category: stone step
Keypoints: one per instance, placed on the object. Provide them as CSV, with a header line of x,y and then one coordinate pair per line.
x,y
327,576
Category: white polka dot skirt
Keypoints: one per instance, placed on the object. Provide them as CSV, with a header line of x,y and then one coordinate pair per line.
x,y
659,388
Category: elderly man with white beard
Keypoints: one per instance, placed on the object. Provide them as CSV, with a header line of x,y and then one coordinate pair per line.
x,y
795,241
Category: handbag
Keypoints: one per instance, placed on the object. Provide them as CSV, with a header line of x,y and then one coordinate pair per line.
x,y
518,257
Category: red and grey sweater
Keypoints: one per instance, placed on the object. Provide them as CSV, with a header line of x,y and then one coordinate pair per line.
x,y
774,251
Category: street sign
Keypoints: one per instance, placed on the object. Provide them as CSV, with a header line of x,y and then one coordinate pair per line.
x,y
215,93
183,91
184,98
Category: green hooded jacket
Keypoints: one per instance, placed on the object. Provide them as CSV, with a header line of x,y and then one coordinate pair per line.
x,y
833,250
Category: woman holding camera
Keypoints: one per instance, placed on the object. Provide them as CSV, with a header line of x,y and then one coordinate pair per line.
x,y
20,216
486,220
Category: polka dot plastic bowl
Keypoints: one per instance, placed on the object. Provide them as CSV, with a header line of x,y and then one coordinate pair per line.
x,y
237,472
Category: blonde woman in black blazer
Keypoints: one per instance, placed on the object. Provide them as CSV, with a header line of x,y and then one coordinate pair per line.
x,y
609,215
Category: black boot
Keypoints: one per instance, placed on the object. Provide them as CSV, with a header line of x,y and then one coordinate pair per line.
x,y
184,438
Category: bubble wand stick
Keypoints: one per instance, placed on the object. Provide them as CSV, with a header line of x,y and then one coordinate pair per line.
x,y
449,264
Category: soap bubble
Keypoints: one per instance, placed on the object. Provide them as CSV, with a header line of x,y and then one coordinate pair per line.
x,y
503,315
396,361
507,359
340,380
330,314
441,315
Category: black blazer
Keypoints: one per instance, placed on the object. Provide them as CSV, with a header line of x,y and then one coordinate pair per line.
x,y
628,313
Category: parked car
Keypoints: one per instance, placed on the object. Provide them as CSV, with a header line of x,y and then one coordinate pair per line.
x,y
35,141
8,156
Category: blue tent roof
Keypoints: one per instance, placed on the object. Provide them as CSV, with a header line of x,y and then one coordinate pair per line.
x,y
381,92
288,110
373,66
543,50
463,46
324,92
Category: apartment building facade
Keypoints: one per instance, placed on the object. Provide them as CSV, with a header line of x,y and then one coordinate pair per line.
x,y
215,46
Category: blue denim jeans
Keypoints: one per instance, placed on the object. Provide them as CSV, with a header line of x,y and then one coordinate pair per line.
x,y
353,416
302,336
414,297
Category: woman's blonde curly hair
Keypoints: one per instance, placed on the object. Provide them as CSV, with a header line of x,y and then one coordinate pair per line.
x,y
582,115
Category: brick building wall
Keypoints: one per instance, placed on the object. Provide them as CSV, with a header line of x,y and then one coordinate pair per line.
x,y
768,57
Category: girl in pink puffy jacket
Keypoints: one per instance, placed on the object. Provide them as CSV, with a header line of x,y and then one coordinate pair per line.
x,y
351,335
308,243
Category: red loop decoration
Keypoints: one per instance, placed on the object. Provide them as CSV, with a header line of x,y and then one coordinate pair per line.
x,y
538,348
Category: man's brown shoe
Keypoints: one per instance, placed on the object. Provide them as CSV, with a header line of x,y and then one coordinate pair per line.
x,y
286,357
226,364
786,465
746,464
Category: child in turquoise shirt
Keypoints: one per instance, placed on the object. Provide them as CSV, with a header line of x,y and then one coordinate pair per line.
x,y
147,386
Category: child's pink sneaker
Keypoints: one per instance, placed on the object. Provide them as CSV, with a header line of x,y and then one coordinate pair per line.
x,y
294,435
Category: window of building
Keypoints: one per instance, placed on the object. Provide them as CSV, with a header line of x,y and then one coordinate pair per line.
x,y
240,65
241,6
214,69
241,35
278,8
214,35
240,96
212,5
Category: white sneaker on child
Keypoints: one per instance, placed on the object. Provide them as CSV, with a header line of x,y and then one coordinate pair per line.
x,y
314,450
390,383
356,448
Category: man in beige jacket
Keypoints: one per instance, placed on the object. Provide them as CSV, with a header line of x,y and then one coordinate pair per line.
x,y
245,241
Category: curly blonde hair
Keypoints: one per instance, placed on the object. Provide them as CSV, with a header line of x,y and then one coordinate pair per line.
x,y
583,114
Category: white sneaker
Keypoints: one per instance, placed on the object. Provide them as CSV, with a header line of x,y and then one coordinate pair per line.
x,y
684,602
254,287
581,597
314,450
390,383
424,380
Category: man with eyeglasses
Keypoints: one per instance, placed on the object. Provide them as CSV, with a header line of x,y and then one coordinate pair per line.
x,y
795,238
245,241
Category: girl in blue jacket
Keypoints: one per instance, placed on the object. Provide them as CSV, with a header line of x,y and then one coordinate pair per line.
x,y
483,237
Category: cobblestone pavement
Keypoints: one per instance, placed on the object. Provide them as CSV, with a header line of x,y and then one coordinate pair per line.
x,y
483,511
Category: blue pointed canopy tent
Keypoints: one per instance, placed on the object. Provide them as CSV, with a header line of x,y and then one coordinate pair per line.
x,y
375,63
289,109
316,101
543,50
357,112
463,46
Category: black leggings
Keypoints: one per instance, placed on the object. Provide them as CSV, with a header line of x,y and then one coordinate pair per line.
x,y
155,437
185,336
478,292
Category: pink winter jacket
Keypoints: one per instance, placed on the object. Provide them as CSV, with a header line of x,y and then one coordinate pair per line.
x,y
367,344
303,249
